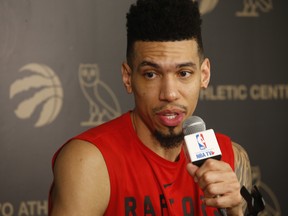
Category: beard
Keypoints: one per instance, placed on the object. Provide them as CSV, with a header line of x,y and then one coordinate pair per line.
x,y
171,140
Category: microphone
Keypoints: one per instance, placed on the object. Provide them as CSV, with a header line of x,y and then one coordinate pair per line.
x,y
200,144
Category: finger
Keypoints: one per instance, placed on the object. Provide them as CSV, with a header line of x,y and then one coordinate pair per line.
x,y
218,182
215,189
227,194
212,165
224,201
191,168
216,201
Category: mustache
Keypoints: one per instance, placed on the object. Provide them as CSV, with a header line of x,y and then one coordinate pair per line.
x,y
169,106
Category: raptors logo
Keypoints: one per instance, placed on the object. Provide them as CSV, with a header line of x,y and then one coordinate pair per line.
x,y
38,93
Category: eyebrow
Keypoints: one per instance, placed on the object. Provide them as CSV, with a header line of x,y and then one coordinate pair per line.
x,y
187,64
155,65
148,63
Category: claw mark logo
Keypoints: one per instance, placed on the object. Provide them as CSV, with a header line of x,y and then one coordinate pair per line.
x,y
46,90
103,104
272,207
251,8
206,6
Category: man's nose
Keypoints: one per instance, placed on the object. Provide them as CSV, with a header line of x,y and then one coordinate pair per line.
x,y
169,91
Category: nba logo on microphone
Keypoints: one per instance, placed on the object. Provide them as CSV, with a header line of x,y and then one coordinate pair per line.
x,y
201,141
201,146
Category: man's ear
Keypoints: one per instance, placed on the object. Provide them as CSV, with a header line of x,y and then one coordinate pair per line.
x,y
205,73
126,77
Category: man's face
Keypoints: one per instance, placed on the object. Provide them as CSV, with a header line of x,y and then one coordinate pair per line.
x,y
165,78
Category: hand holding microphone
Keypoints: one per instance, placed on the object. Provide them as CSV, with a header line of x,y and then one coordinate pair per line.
x,y
215,178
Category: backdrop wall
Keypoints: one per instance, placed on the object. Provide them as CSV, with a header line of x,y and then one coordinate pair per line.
x,y
53,53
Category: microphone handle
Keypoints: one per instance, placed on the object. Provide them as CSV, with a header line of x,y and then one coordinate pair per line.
x,y
222,211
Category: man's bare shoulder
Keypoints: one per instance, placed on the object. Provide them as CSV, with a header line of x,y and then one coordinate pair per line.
x,y
79,150
81,180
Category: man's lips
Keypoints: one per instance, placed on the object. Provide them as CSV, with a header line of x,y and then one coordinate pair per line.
x,y
170,118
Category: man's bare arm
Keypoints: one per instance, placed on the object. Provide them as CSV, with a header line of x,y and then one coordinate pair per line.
x,y
81,181
242,168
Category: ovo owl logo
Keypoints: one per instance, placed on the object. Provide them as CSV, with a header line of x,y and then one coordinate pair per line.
x,y
103,103
41,90
251,8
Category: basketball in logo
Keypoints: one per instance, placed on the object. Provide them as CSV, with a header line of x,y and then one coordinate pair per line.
x,y
41,90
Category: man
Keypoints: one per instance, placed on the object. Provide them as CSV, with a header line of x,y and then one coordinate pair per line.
x,y
135,165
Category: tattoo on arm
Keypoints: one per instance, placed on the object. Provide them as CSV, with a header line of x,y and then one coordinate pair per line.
x,y
242,168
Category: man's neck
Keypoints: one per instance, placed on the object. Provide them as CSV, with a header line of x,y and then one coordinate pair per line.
x,y
149,140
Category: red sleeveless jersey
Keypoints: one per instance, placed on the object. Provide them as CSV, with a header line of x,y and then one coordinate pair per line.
x,y
143,183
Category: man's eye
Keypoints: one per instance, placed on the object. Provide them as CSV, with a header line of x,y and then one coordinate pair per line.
x,y
150,75
184,73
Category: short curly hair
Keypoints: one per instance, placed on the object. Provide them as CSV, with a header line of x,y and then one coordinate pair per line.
x,y
163,20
